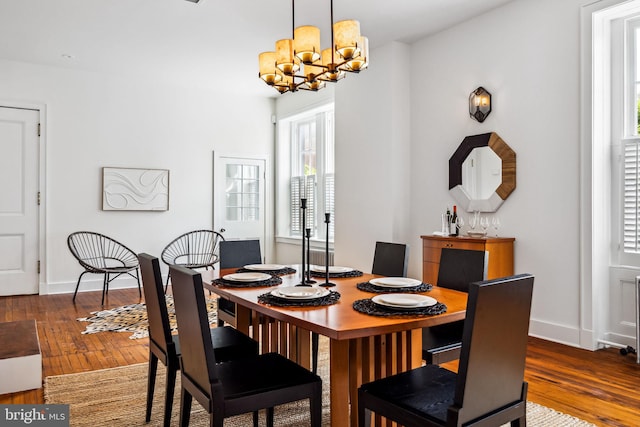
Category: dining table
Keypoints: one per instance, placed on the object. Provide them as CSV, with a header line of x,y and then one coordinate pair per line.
x,y
362,347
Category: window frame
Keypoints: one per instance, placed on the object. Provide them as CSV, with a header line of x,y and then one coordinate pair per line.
x,y
625,89
325,165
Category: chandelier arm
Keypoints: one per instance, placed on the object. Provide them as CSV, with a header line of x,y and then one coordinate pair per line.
x,y
331,26
293,18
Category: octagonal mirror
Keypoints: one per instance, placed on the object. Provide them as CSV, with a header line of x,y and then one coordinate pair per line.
x,y
482,173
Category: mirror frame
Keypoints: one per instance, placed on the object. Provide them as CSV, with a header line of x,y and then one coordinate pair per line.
x,y
506,187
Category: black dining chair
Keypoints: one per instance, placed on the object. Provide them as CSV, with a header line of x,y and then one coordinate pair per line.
x,y
390,259
234,387
227,342
458,268
235,254
489,388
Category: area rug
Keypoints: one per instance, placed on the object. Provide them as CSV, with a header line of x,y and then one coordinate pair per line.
x,y
117,397
133,318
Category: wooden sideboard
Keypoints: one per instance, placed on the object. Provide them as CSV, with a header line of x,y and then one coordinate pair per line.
x,y
500,254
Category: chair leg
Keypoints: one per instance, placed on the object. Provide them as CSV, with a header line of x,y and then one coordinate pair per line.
x,y
78,285
314,351
105,286
172,371
364,414
185,408
255,418
138,279
151,383
315,406
166,286
270,417
520,422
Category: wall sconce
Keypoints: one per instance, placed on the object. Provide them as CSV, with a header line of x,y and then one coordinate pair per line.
x,y
479,104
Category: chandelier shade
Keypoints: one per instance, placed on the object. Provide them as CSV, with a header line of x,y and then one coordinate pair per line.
x,y
307,44
286,61
300,63
361,61
347,36
268,71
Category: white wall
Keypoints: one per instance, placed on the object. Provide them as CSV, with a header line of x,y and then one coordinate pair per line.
x,y
526,54
96,120
373,199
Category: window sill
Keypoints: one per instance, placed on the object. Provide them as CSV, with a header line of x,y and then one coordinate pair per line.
x,y
297,241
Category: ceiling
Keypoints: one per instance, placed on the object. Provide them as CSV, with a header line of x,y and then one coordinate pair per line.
x,y
210,44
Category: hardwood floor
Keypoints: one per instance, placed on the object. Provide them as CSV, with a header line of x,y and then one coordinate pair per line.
x,y
600,387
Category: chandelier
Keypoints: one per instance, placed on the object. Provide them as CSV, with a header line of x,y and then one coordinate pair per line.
x,y
299,63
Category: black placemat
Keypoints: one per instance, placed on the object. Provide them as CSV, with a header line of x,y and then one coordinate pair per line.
x,y
370,287
273,281
270,299
280,272
367,306
342,275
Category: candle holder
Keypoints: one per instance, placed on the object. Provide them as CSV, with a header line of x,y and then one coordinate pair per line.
x,y
327,284
309,279
303,206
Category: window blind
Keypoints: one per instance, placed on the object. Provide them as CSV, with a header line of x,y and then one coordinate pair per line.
x,y
302,186
631,214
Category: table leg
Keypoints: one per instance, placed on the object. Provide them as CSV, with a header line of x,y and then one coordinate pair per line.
x,y
243,320
339,378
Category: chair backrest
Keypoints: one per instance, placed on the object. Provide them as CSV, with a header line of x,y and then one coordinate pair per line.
x,y
97,251
198,358
237,253
494,345
195,248
390,259
459,267
157,313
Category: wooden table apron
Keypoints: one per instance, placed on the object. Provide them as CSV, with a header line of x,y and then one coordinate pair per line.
x,y
362,347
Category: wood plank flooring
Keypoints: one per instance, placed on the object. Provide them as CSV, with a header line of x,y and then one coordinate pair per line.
x,y
601,387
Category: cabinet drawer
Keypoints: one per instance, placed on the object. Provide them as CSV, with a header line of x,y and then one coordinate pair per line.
x,y
431,249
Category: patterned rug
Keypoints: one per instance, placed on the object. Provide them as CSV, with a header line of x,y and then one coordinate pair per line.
x,y
116,397
133,318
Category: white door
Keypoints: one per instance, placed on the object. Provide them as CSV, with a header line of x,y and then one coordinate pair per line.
x,y
239,201
18,201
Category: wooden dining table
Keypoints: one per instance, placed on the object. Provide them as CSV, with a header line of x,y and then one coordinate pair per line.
x,y
362,347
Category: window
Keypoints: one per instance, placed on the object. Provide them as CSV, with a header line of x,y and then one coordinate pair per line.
x,y
242,193
629,187
306,170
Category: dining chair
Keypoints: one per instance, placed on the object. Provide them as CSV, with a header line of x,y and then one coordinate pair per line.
x,y
489,388
227,342
99,254
235,254
194,249
238,386
390,259
458,268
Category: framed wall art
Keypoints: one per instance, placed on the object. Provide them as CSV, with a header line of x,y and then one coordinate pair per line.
x,y
130,189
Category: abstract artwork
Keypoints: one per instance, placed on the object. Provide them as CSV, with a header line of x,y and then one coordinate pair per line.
x,y
128,189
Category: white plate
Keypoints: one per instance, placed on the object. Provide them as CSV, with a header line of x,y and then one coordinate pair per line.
x,y
299,292
264,267
476,233
404,300
247,277
332,269
395,282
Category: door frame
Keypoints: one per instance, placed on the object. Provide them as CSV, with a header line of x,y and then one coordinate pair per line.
x,y
42,180
268,244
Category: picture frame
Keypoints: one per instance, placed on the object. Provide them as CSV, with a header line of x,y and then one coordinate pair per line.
x,y
135,189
